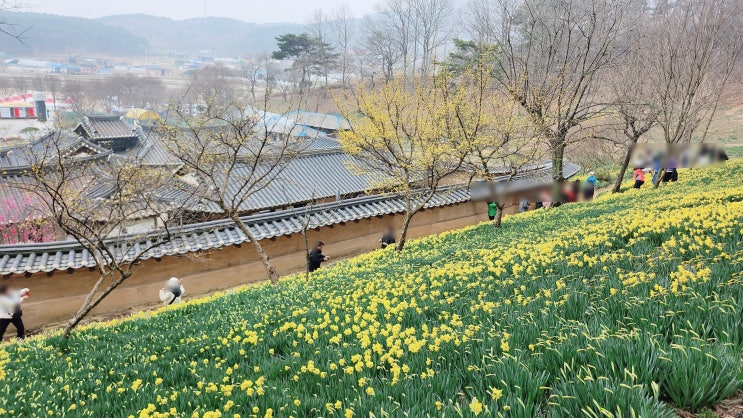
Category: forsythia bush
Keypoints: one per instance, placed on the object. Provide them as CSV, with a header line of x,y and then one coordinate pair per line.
x,y
628,306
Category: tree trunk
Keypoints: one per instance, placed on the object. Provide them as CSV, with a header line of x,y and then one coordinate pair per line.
x,y
271,273
306,255
91,302
625,164
557,170
659,178
404,231
499,216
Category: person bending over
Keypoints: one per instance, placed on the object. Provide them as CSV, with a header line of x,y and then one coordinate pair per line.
x,y
172,293
316,257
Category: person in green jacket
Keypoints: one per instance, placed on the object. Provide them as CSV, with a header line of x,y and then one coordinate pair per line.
x,y
492,210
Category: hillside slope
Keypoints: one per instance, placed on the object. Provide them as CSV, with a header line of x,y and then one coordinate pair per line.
x,y
45,34
627,306
136,35
229,37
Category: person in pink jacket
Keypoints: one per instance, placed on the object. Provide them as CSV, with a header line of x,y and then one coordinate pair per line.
x,y
639,177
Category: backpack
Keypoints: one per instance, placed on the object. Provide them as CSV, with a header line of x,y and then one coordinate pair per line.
x,y
176,294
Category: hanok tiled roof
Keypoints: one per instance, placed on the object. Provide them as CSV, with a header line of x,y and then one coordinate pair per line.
x,y
150,150
16,160
33,258
19,203
312,176
324,121
98,127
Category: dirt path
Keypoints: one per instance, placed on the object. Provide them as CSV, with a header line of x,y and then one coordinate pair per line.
x,y
53,299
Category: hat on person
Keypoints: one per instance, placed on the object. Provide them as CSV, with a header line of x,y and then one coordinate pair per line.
x,y
174,283
320,243
592,173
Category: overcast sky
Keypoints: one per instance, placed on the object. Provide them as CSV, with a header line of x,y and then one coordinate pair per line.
x,y
258,11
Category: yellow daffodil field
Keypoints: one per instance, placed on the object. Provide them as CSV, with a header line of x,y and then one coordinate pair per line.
x,y
628,306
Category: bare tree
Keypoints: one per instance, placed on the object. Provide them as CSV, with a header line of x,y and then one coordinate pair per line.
x,y
342,28
432,17
552,55
130,90
20,84
381,46
86,96
324,55
232,152
397,20
253,72
9,28
52,84
696,46
215,82
633,111
7,88
100,219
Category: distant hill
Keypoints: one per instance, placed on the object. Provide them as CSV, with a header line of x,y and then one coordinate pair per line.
x,y
137,35
44,34
226,36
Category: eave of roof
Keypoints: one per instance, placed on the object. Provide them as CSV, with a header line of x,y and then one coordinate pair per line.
x,y
46,257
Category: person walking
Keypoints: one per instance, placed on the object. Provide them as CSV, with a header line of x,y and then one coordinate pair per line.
x,y
657,165
524,206
590,188
639,177
492,210
316,257
572,192
172,293
546,199
10,310
593,180
671,173
388,238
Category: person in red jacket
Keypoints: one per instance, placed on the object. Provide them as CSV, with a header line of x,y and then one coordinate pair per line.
x,y
639,177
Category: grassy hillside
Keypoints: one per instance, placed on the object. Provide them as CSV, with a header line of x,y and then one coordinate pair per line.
x,y
627,306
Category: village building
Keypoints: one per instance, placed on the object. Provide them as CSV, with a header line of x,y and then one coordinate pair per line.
x,y
329,124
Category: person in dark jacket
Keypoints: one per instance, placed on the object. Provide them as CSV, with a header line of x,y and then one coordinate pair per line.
x,y
388,238
524,206
671,173
316,257
589,188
